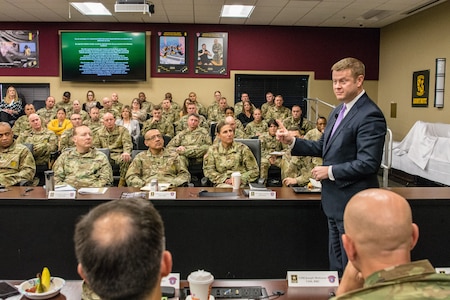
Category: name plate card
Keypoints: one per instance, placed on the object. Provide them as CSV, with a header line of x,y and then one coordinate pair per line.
x,y
173,280
445,270
162,195
312,278
262,194
62,194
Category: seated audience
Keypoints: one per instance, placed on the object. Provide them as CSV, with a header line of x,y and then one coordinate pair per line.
x,y
256,127
127,122
157,163
44,141
217,113
228,156
170,114
120,248
48,112
182,124
16,161
378,239
119,142
60,124
83,165
108,108
65,102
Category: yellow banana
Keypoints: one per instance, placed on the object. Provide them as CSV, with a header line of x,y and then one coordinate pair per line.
x,y
39,287
45,279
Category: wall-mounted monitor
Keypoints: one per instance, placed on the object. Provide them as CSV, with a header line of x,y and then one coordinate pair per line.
x,y
103,56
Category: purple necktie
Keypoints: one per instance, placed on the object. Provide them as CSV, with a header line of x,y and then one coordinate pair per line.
x,y
339,119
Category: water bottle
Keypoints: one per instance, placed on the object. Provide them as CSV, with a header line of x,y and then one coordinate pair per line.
x,y
49,181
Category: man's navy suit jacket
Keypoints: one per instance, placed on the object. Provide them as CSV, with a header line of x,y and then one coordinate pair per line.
x,y
355,151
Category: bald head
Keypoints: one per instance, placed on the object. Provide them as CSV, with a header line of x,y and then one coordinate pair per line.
x,y
378,226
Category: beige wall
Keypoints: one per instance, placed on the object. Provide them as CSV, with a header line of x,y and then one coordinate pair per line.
x,y
407,46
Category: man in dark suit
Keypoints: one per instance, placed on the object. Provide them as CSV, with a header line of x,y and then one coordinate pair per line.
x,y
351,148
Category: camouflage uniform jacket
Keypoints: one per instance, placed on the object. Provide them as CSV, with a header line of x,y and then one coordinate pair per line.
x,y
269,144
219,163
91,169
298,167
66,105
254,129
16,164
163,126
265,108
314,135
46,114
118,141
303,125
195,141
239,106
212,109
415,280
84,115
182,123
21,124
94,126
44,142
216,115
278,113
168,167
112,111
66,140
171,116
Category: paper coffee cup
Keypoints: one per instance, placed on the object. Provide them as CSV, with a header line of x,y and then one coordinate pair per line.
x,y
236,180
200,284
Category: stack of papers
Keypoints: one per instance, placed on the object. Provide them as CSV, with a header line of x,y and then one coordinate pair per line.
x,y
95,191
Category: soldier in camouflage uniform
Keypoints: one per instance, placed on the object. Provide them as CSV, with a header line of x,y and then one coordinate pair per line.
x,y
239,106
269,144
116,104
229,112
218,114
16,161
214,106
169,114
278,111
182,124
297,121
157,163
315,135
65,103
379,236
108,108
296,170
83,165
269,103
44,141
94,122
192,142
22,124
48,112
118,140
228,156
66,140
158,122
146,106
256,127
76,109
200,108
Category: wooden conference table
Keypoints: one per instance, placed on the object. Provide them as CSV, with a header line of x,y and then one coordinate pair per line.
x,y
232,237
72,289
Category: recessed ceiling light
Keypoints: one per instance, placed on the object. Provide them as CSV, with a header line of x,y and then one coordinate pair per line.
x,y
236,11
91,8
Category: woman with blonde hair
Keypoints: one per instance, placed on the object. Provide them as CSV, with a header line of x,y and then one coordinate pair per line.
x,y
11,106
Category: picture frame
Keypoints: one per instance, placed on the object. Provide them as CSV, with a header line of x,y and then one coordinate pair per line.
x,y
420,88
19,49
211,54
172,52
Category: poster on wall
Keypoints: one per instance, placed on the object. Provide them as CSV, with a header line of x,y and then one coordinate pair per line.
x,y
211,53
172,52
19,49
420,88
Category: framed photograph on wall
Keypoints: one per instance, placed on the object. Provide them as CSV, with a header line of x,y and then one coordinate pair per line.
x,y
19,49
171,52
420,88
211,53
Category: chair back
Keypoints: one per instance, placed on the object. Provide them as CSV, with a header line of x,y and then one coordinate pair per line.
x,y
255,147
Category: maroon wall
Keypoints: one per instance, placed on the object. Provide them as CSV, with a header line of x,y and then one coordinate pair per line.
x,y
274,48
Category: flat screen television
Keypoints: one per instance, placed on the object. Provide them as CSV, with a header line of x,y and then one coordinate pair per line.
x,y
105,56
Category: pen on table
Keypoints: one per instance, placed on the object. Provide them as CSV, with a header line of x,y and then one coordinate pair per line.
x,y
28,189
